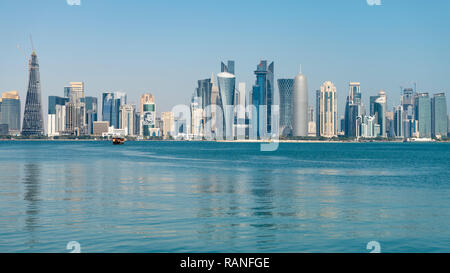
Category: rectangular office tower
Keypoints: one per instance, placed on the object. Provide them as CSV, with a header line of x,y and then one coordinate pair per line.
x,y
10,112
56,121
91,113
328,110
111,103
262,99
423,115
439,115
353,109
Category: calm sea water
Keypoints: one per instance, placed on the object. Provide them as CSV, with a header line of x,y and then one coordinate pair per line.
x,y
224,197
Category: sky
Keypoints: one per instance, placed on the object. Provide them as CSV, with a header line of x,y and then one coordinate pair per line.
x,y
165,46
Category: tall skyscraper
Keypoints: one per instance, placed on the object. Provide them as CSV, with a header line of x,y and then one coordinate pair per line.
x,y
353,109
398,122
56,121
32,118
300,106
439,115
408,107
423,115
286,89
227,83
10,111
76,110
215,103
126,118
111,103
328,110
318,93
148,115
378,109
91,113
262,99
168,124
229,67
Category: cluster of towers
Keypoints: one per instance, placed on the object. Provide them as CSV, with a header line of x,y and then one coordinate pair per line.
x,y
222,108
228,110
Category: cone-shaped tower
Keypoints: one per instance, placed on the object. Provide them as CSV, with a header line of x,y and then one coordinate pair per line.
x,y
32,118
300,106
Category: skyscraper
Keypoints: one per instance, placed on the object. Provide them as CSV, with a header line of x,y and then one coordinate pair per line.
x,y
353,109
227,83
215,103
439,115
286,89
300,106
111,103
32,118
408,107
423,115
262,99
378,109
398,122
168,124
91,113
56,121
10,111
328,110
126,118
318,93
229,67
148,115
76,110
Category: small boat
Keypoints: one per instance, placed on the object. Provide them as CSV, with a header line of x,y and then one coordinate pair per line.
x,y
118,140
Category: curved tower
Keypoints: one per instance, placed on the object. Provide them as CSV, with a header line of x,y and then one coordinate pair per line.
x,y
32,118
227,82
300,106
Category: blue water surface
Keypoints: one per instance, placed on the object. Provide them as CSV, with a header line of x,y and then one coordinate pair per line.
x,y
224,197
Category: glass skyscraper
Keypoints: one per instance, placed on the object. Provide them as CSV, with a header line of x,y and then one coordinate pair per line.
x,y
227,85
423,114
286,88
262,95
439,115
353,109
111,103
10,110
91,112
378,109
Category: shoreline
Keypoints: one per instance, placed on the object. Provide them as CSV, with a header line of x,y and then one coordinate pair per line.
x,y
235,141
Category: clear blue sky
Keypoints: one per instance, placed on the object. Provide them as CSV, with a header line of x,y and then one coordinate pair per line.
x,y
164,47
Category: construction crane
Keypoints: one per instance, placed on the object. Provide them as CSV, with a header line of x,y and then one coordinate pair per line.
x,y
23,52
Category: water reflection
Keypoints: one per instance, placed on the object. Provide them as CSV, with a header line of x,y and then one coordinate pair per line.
x,y
31,182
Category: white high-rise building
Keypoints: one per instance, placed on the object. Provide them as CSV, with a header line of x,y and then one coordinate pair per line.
x,y
126,118
328,110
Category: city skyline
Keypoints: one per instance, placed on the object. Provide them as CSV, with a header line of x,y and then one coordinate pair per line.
x,y
377,57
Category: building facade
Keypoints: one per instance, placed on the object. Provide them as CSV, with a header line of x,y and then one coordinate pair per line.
x,y
300,106
126,118
262,99
328,110
10,111
423,115
286,90
439,115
